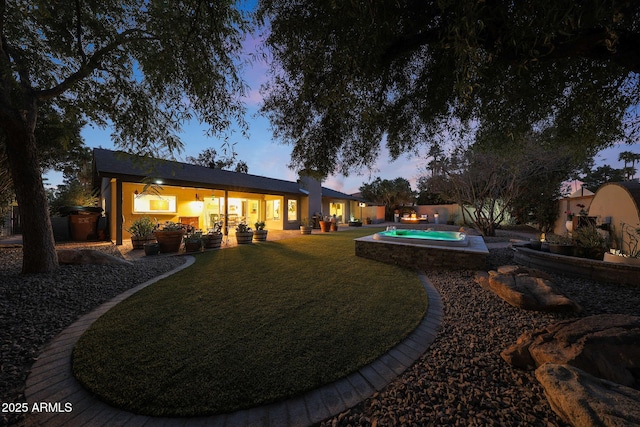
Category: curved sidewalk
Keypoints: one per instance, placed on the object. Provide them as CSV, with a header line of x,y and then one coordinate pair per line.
x,y
52,383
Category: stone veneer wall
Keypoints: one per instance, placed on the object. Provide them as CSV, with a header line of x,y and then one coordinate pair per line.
x,y
420,256
578,267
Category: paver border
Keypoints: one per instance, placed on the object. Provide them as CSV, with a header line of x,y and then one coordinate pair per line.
x,y
51,380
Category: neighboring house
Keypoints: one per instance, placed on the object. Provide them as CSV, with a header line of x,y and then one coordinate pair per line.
x,y
615,204
200,196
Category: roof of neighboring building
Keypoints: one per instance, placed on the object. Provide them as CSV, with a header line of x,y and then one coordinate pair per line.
x,y
131,168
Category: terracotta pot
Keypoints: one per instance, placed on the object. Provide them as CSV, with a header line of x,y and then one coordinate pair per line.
x,y
244,238
305,230
333,226
169,241
325,226
260,235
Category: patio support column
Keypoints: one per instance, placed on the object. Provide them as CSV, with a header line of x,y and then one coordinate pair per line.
x,y
118,215
226,212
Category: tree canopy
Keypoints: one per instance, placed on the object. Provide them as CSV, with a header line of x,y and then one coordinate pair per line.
x,y
390,193
141,67
348,75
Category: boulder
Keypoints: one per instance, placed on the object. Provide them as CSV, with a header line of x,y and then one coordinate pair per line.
x,y
583,400
88,256
526,288
606,346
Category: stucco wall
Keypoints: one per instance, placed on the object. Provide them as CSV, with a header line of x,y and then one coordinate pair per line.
x,y
613,204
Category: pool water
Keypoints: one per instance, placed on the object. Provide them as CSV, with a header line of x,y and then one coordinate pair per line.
x,y
426,237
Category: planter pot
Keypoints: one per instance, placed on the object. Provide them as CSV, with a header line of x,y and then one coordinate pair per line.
x,y
192,246
212,241
139,242
367,221
83,226
151,249
617,259
333,226
169,241
556,248
244,238
325,226
305,230
260,235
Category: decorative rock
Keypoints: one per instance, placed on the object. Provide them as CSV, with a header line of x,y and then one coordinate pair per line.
x,y
581,399
88,256
526,288
606,345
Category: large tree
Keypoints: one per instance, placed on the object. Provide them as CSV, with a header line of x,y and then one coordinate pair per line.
x,y
390,193
348,74
142,67
488,184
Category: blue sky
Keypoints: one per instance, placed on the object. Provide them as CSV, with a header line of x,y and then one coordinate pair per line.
x,y
266,157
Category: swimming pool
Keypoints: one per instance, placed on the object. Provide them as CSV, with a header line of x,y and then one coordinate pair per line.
x,y
424,237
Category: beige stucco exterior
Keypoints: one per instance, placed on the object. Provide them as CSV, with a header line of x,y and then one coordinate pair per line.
x,y
614,204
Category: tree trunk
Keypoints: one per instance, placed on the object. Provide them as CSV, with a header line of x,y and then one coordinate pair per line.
x,y
38,245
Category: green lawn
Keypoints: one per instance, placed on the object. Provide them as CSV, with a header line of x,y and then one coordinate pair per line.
x,y
249,325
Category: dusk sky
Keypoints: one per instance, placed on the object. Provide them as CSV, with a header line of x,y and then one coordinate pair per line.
x,y
266,157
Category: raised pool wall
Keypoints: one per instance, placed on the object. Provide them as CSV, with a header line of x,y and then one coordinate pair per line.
x,y
425,257
578,267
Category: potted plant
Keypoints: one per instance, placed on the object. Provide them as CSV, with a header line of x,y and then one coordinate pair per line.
x,y
367,220
169,236
141,232
305,226
193,242
589,242
259,234
325,224
355,223
561,245
333,224
213,239
244,235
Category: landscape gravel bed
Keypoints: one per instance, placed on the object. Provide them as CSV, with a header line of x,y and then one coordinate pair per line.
x,y
35,308
461,380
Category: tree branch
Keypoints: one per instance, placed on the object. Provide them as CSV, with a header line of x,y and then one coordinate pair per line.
x,y
93,63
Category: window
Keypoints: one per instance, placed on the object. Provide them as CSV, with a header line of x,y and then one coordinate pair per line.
x,y
150,203
292,210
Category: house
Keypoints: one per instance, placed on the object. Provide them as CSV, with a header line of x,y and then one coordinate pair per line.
x,y
131,186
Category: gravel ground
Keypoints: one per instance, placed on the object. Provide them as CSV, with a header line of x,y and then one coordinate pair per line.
x,y
35,308
460,381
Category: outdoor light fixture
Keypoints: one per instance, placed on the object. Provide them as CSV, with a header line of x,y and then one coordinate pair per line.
x,y
197,198
136,192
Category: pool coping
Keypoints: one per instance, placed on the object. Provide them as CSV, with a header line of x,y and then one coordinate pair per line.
x,y
51,380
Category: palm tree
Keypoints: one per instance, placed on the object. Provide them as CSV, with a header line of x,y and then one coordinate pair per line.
x,y
629,157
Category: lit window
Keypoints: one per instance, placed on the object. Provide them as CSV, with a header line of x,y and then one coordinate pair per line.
x,y
292,210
